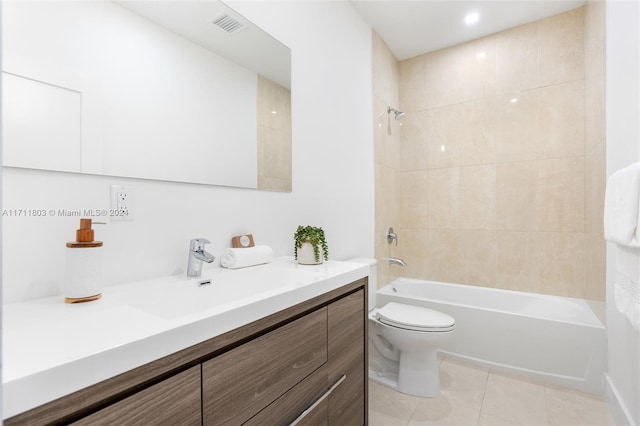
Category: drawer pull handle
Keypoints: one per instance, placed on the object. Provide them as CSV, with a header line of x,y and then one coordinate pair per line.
x,y
324,396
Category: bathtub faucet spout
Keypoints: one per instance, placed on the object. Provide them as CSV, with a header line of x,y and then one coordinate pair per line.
x,y
396,261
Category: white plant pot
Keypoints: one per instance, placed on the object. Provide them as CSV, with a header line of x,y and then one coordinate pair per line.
x,y
306,255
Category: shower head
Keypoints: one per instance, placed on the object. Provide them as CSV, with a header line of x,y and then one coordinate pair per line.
x,y
397,114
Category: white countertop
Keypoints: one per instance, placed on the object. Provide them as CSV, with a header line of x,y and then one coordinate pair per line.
x,y
51,349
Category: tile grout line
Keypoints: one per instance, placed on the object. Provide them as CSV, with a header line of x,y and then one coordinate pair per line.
x,y
413,413
484,394
546,405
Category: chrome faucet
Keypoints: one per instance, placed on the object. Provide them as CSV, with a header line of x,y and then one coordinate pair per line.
x,y
197,254
396,261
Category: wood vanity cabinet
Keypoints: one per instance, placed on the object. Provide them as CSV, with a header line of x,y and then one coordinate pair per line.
x,y
174,401
243,381
305,365
257,383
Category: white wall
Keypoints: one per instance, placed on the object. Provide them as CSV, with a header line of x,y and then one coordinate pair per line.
x,y
623,148
332,173
1,234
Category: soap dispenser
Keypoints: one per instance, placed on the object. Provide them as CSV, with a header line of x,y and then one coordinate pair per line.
x,y
83,266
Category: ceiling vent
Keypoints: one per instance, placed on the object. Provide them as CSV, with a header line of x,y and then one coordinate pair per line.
x,y
228,23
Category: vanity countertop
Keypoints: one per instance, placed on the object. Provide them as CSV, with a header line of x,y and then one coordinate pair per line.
x,y
51,349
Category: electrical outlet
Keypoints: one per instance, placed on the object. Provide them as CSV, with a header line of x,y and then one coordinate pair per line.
x,y
121,203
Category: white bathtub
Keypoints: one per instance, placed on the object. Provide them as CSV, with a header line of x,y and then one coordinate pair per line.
x,y
553,339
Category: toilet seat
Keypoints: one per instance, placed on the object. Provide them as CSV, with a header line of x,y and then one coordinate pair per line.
x,y
415,318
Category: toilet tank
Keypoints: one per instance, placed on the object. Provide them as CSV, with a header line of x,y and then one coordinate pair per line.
x,y
373,278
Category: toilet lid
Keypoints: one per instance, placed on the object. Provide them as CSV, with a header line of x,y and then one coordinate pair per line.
x,y
414,318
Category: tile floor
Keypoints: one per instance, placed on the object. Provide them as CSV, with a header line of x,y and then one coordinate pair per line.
x,y
474,396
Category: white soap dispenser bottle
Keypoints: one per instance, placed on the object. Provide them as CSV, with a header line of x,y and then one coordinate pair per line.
x,y
83,266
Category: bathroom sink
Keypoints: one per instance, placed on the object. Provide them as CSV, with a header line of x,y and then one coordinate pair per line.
x,y
218,291
138,322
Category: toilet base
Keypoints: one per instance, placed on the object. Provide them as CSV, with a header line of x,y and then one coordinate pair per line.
x,y
423,382
419,374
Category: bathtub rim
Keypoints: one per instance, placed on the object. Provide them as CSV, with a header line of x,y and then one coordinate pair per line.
x,y
597,323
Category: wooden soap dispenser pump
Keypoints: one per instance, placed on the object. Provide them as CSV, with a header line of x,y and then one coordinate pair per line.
x,y
83,266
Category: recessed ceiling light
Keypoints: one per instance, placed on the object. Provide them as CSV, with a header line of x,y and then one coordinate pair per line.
x,y
481,55
471,18
514,100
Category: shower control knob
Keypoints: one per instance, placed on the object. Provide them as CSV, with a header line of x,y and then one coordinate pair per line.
x,y
392,236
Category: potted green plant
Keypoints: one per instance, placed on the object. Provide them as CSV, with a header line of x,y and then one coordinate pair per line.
x,y
310,246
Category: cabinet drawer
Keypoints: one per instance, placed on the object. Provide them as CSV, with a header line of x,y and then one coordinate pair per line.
x,y
238,384
347,403
289,406
175,401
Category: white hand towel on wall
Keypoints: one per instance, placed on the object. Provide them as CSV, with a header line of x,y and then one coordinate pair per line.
x,y
622,207
242,257
622,227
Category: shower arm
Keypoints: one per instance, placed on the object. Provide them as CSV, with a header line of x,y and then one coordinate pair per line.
x,y
396,114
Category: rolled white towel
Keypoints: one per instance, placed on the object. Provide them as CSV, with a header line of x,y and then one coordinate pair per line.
x,y
233,258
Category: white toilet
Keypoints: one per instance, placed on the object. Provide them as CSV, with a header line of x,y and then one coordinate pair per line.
x,y
404,341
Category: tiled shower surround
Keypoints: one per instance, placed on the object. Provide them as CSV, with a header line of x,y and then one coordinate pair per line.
x,y
274,135
495,176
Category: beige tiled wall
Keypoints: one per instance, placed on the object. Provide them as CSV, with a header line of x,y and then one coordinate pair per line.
x,y
386,134
595,152
498,170
274,135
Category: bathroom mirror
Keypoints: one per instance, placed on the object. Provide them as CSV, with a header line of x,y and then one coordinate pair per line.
x,y
186,91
